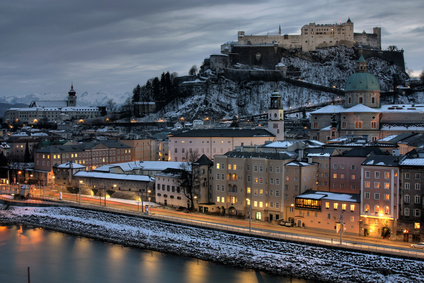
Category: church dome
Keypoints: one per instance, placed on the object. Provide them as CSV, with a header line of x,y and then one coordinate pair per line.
x,y
362,82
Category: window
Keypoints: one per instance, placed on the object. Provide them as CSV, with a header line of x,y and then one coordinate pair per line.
x,y
407,186
376,209
358,125
344,206
373,123
277,181
417,176
417,199
386,175
247,201
353,167
367,195
247,167
229,166
255,203
367,174
377,174
387,185
336,205
376,185
386,210
376,196
406,212
277,193
417,186
235,167
406,175
353,177
417,225
417,212
217,176
386,197
367,184
334,176
367,208
248,190
327,204
352,207
217,187
406,199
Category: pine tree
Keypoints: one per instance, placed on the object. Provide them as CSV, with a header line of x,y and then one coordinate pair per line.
x,y
136,94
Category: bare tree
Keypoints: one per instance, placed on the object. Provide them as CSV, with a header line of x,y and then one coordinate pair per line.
x,y
193,70
188,181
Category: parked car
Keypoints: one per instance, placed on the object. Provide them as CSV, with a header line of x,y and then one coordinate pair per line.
x,y
420,245
286,223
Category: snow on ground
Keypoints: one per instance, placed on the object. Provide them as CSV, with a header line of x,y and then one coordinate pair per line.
x,y
283,258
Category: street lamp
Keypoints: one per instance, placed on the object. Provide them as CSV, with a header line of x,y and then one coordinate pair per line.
x,y
250,215
79,193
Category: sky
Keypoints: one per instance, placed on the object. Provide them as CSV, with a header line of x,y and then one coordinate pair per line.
x,y
111,46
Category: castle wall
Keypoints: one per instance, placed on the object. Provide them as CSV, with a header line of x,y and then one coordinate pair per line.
x,y
315,36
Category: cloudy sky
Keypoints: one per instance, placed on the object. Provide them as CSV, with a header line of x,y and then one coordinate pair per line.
x,y
114,45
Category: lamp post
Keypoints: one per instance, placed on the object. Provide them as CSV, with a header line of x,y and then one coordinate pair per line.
x,y
79,192
248,201
341,227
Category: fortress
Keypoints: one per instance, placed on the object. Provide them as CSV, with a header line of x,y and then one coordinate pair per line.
x,y
315,36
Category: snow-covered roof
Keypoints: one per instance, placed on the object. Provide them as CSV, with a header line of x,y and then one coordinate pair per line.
x,y
143,165
69,165
121,177
412,162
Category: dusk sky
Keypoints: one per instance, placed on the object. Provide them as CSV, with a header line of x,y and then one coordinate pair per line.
x,y
112,46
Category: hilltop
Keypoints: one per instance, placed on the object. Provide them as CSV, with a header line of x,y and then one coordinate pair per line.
x,y
313,77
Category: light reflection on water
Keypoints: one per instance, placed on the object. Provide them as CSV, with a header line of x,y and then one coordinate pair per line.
x,y
56,257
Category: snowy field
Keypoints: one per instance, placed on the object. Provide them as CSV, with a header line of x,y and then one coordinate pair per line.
x,y
290,259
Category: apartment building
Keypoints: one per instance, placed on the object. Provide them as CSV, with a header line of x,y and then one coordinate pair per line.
x,y
250,183
380,196
213,141
410,226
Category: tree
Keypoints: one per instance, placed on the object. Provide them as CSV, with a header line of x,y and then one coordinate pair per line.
x,y
137,93
392,48
111,106
27,156
422,77
188,179
193,70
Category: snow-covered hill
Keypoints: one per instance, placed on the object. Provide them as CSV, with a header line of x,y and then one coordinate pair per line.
x,y
219,97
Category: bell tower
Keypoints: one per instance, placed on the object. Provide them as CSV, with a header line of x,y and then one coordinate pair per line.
x,y
276,116
72,98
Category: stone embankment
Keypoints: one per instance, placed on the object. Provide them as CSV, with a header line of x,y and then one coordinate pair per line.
x,y
277,257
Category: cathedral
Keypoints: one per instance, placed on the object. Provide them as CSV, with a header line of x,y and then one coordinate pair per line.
x,y
362,113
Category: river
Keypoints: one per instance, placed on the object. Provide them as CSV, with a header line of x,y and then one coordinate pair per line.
x,y
57,257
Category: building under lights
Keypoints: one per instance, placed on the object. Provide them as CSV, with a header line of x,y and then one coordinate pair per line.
x,y
362,113
52,111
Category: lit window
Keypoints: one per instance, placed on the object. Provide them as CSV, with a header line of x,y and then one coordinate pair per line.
x,y
336,205
367,208
261,204
327,204
255,203
334,176
343,206
229,166
386,197
235,167
217,166
386,210
217,199
367,184
248,190
417,225
222,199
247,201
352,207
387,185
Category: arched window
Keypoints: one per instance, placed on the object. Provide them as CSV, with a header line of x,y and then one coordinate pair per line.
x,y
386,209
376,209
367,208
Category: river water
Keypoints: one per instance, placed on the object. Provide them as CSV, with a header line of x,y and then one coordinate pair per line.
x,y
56,257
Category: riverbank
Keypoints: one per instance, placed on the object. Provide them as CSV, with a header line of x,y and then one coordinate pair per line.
x,y
277,257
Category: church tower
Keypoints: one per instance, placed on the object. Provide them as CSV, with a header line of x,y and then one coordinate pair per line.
x,y
276,116
72,98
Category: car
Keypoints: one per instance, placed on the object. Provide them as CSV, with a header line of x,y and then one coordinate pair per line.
x,y
420,245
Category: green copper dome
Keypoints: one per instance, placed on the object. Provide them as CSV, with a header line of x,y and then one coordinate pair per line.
x,y
362,82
